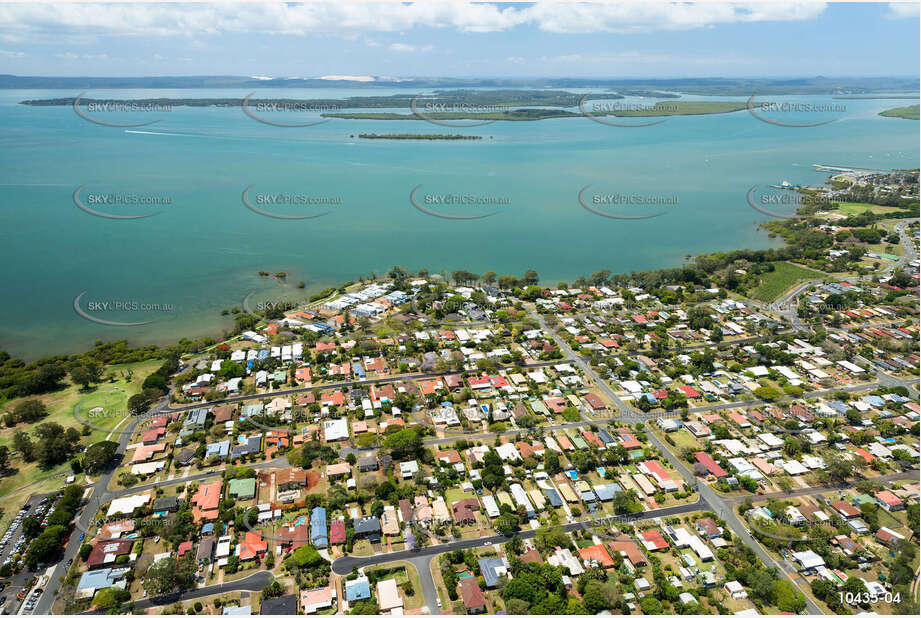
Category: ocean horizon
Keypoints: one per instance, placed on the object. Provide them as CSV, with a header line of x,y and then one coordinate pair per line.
x,y
203,248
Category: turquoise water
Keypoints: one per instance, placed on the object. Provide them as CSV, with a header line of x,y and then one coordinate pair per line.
x,y
203,251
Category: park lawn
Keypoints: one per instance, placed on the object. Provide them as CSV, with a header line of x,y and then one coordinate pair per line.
x,y
684,439
112,396
856,208
784,277
28,480
454,494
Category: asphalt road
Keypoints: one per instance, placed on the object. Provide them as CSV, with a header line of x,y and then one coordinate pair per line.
x,y
46,600
349,383
709,500
422,557
345,564
423,566
251,583
909,475
117,493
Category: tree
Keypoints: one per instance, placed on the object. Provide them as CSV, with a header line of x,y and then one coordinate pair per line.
x,y
651,605
170,575
840,468
105,598
23,444
97,456
138,404
404,444
551,462
598,597
517,606
305,557
273,590
789,599
29,411
4,460
81,375
54,444
46,546
365,608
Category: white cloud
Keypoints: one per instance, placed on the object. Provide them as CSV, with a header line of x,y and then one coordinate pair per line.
x,y
633,17
899,10
5,53
54,21
403,47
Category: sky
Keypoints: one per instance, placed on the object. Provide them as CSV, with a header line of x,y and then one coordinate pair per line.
x,y
454,39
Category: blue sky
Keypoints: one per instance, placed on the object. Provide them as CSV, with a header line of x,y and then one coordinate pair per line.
x,y
453,39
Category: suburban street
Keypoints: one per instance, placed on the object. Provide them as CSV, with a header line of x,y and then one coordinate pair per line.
x,y
421,558
709,500
100,493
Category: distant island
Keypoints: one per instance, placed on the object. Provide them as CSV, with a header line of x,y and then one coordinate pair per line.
x,y
429,136
716,86
910,112
671,108
463,99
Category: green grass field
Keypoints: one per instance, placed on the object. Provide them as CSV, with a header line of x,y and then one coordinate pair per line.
x,y
784,277
856,208
455,494
911,112
111,396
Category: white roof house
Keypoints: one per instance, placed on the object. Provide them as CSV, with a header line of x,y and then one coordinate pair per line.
x,y
128,504
770,440
336,429
489,503
508,452
793,467
808,559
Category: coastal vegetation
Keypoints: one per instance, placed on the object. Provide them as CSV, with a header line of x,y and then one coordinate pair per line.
x,y
422,136
779,279
911,112
514,114
454,98
676,108
685,108
718,86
